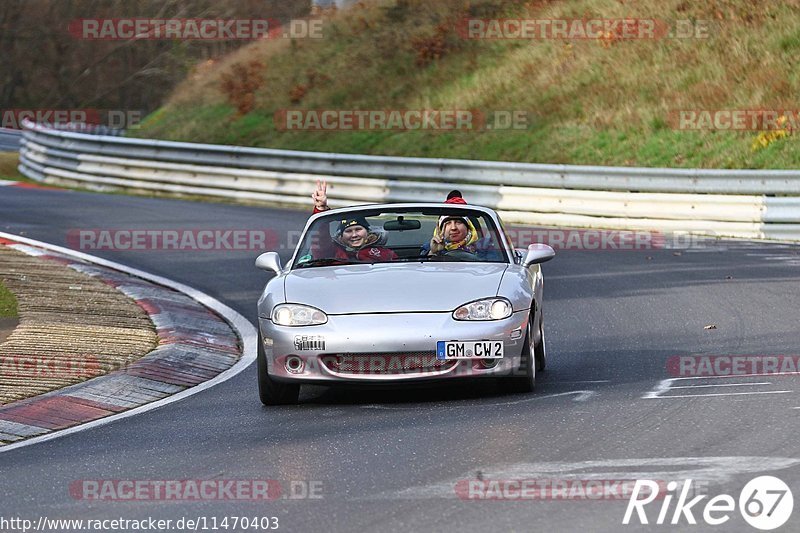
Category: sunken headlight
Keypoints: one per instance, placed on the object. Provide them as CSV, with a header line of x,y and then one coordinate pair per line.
x,y
487,309
298,315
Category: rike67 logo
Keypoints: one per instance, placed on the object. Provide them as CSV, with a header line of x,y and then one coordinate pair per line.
x,y
765,503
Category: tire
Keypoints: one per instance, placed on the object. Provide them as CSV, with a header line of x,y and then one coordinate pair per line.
x,y
541,349
273,392
527,381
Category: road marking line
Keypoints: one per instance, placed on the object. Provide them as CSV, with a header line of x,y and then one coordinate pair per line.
x,y
581,396
580,381
763,374
721,385
240,324
665,385
723,394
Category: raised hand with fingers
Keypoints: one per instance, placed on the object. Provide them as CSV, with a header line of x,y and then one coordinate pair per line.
x,y
436,245
320,196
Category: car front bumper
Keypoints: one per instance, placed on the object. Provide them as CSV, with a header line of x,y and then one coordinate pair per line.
x,y
387,348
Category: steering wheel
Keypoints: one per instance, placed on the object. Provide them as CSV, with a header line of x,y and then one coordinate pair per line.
x,y
460,255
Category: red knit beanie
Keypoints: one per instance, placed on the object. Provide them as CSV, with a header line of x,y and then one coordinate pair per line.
x,y
455,200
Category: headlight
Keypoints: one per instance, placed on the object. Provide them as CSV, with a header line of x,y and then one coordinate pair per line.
x,y
298,315
488,309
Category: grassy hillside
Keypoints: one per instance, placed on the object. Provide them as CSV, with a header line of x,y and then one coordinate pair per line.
x,y
593,101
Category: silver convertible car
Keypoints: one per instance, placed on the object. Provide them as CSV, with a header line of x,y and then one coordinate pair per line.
x,y
397,293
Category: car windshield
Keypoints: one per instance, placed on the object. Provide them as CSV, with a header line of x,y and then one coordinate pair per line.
x,y
400,235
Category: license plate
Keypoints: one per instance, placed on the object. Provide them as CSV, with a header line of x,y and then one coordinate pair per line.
x,y
469,350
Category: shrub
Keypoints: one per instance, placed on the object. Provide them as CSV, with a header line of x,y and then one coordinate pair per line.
x,y
240,84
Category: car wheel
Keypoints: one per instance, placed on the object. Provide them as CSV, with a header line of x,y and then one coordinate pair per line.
x,y
270,391
541,349
527,381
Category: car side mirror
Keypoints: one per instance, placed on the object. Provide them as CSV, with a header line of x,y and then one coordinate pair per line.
x,y
538,253
269,261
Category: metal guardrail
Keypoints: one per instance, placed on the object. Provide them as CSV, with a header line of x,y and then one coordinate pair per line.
x,y
10,140
738,203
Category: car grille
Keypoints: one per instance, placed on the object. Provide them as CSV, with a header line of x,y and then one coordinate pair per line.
x,y
386,363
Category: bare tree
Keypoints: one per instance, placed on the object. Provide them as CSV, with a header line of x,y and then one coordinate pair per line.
x,y
43,65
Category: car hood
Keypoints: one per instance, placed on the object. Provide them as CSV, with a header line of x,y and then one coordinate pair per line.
x,y
381,288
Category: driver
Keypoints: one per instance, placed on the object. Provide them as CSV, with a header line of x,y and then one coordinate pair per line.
x,y
453,233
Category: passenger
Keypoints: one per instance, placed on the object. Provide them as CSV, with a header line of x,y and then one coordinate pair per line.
x,y
354,240
357,242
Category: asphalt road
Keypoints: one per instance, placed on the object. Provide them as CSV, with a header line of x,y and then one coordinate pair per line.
x,y
392,460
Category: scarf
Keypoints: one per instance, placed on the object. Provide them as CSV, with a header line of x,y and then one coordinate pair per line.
x,y
466,243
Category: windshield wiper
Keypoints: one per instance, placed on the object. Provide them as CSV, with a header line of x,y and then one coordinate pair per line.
x,y
415,259
325,261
